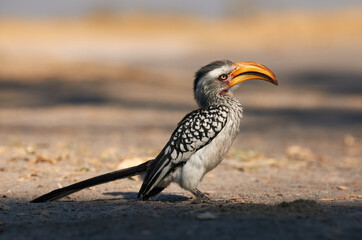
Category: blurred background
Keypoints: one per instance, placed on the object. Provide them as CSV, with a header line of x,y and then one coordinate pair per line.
x,y
119,73
90,86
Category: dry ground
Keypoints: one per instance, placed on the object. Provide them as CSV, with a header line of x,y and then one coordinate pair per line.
x,y
294,171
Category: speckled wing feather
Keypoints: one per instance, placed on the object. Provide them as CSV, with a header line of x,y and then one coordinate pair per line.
x,y
195,130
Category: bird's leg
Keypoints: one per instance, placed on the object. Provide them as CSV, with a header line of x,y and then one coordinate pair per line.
x,y
200,196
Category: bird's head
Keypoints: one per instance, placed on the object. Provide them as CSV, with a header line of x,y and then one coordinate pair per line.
x,y
218,78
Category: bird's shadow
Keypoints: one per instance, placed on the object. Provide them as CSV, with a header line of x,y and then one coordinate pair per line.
x,y
162,197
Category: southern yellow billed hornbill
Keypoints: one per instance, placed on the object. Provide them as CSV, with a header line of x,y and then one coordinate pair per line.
x,y
199,142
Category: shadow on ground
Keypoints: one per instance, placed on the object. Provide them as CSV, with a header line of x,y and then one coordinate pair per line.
x,y
316,117
53,92
161,197
114,219
332,82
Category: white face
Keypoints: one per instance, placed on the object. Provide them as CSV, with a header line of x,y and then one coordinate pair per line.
x,y
218,79
214,74
211,85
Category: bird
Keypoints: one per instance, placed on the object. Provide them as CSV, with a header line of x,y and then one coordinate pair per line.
x,y
201,139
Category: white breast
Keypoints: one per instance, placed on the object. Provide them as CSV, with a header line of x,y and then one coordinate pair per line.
x,y
207,158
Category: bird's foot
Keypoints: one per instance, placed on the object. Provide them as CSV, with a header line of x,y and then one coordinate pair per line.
x,y
200,197
210,201
199,200
223,201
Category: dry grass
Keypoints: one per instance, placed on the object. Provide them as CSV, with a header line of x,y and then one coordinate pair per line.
x,y
269,29
117,38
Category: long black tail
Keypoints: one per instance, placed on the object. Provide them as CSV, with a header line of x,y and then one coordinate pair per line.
x,y
108,177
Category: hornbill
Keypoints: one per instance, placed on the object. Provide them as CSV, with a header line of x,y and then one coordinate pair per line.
x,y
200,140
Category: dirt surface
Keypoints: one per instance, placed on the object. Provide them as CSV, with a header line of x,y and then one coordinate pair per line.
x,y
294,172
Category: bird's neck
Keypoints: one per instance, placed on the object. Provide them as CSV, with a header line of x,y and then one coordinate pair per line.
x,y
226,99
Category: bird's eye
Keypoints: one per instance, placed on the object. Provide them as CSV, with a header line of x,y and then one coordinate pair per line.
x,y
223,77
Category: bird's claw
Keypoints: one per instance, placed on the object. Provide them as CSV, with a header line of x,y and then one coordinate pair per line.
x,y
202,198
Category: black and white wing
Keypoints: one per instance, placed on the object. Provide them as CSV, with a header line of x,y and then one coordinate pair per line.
x,y
196,130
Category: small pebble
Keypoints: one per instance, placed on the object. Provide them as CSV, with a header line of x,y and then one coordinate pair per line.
x,y
206,216
4,207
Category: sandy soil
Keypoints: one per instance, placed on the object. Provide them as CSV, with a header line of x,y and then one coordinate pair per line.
x,y
294,172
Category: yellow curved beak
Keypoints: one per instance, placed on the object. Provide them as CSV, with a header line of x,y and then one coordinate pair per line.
x,y
247,70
